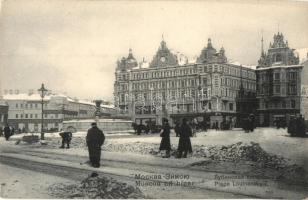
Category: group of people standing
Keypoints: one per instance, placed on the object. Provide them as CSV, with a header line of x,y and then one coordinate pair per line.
x,y
248,124
184,131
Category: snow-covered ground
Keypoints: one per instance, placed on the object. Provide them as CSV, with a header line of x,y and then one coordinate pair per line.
x,y
21,183
271,140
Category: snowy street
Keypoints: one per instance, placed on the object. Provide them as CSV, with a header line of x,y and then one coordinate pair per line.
x,y
121,160
33,166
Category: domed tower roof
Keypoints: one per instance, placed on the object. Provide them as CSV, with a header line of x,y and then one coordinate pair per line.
x,y
127,63
209,54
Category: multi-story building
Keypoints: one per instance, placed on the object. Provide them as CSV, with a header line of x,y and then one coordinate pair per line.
x,y
3,113
278,82
304,84
171,87
25,111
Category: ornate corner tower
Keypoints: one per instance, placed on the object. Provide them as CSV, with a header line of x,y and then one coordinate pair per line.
x,y
210,55
164,57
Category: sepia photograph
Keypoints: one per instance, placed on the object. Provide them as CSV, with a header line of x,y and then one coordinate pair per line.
x,y
145,99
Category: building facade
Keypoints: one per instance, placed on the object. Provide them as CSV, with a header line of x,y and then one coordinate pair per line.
x,y
171,87
304,87
278,83
25,111
3,113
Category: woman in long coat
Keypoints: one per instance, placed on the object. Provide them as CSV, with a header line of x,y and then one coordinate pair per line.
x,y
165,141
184,141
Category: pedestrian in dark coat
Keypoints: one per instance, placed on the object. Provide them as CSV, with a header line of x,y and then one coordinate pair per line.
x,y
184,141
95,139
216,126
301,126
165,141
7,132
66,139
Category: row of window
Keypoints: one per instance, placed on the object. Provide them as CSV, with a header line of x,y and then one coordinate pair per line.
x,y
28,105
235,83
164,84
184,107
163,73
188,71
277,76
35,116
228,70
173,94
283,104
189,83
277,89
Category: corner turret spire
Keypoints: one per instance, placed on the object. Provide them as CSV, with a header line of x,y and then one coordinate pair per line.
x,y
262,47
130,54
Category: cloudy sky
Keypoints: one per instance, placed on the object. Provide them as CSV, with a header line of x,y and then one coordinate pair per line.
x,y
73,46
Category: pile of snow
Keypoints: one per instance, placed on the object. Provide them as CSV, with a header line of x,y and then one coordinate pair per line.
x,y
96,187
240,151
256,156
139,148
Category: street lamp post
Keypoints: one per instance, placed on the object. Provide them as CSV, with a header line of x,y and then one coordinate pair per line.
x,y
97,110
43,92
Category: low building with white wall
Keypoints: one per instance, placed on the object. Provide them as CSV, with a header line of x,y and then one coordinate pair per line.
x,y
25,111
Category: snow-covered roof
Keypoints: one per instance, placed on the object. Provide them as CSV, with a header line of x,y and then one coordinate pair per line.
x,y
87,102
24,96
108,106
37,97
246,66
144,65
192,60
182,59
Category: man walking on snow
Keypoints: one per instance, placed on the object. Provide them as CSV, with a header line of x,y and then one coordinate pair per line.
x,y
95,139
